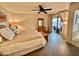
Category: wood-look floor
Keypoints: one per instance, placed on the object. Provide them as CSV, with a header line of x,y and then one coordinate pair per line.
x,y
56,46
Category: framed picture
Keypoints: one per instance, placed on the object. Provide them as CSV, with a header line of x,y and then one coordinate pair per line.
x,y
77,18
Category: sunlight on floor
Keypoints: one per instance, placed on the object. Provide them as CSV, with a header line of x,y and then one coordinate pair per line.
x,y
58,43
55,37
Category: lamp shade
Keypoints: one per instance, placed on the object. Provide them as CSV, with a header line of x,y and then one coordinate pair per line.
x,y
14,23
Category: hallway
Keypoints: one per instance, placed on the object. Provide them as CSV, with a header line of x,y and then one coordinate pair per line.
x,y
56,46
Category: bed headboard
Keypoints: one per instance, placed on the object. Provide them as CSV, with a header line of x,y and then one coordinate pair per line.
x,y
2,17
3,20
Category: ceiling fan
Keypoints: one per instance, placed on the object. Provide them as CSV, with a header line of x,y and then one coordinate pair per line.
x,y
41,9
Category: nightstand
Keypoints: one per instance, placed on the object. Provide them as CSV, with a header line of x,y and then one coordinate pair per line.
x,y
45,34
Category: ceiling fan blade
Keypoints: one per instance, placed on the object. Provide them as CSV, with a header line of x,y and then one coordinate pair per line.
x,y
47,9
38,12
35,10
45,12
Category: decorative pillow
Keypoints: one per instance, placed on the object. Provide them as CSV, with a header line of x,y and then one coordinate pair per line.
x,y
16,29
4,24
7,33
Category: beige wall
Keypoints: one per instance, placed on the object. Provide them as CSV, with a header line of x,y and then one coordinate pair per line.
x,y
50,22
8,14
29,20
72,8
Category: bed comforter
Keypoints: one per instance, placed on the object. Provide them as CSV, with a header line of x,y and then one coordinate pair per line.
x,y
23,43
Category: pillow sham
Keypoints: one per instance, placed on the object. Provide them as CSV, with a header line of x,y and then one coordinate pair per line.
x,y
7,33
16,29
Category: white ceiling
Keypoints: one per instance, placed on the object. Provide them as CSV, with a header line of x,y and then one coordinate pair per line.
x,y
26,7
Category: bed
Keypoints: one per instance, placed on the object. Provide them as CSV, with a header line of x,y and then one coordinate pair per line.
x,y
23,43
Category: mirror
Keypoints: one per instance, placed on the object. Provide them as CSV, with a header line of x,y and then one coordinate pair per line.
x,y
40,22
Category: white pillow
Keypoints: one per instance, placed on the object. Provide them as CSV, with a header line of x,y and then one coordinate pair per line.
x,y
7,33
0,39
5,23
16,29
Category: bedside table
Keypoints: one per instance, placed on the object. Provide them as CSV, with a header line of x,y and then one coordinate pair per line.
x,y
45,34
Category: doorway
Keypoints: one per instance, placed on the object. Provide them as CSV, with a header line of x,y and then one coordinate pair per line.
x,y
57,24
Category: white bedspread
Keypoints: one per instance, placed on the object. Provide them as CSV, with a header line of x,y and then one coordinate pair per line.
x,y
22,41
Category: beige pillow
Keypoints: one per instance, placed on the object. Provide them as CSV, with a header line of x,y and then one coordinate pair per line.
x,y
7,33
15,29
